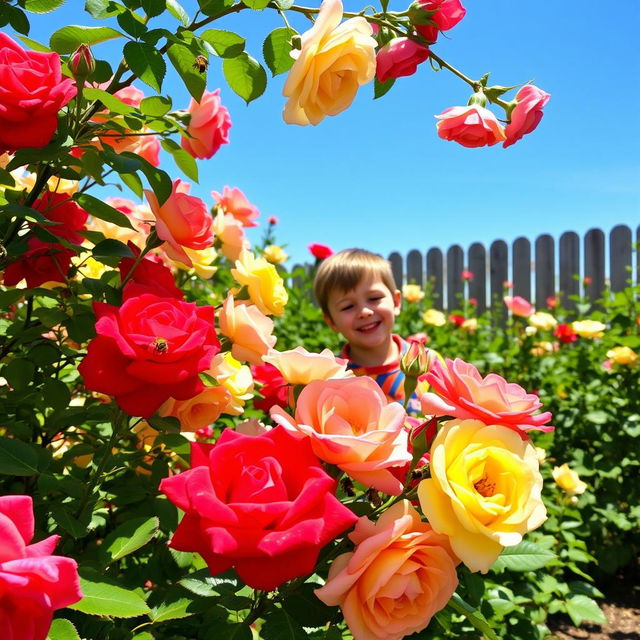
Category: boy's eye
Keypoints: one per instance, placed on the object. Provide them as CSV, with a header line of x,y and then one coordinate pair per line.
x,y
347,307
373,298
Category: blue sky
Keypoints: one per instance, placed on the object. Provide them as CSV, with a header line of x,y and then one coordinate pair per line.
x,y
377,175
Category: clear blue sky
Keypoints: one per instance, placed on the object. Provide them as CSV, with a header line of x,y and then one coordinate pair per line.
x,y
378,176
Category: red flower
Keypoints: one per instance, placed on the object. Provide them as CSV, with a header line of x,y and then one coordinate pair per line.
x,y
149,277
272,220
320,251
456,319
552,302
399,57
565,333
466,274
527,113
32,91
274,387
260,504
33,582
148,350
447,15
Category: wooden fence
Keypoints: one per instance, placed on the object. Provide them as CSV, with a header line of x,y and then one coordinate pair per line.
x,y
537,270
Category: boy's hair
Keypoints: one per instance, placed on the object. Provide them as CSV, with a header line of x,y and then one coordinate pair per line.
x,y
345,269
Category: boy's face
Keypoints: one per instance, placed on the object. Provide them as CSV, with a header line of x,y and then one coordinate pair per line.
x,y
364,315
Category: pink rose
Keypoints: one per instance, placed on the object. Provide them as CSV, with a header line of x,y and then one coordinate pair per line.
x,y
208,127
461,392
148,147
32,91
447,14
230,232
527,113
399,575
261,504
350,424
518,306
33,582
399,57
233,201
183,220
470,126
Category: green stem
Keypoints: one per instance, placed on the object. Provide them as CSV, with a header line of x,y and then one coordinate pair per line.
x,y
151,243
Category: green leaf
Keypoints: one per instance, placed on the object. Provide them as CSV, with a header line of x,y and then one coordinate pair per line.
x,y
380,88
129,536
277,50
307,608
281,626
99,209
156,106
245,76
153,8
284,4
42,6
17,19
64,518
185,161
173,607
68,39
257,5
34,44
526,556
582,608
17,458
56,394
103,8
19,373
225,43
129,163
182,58
110,247
178,12
62,629
146,62
213,7
108,100
101,599
132,180
159,180
473,616
132,24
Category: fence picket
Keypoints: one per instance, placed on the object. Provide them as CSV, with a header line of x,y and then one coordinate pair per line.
x,y
545,270
478,284
435,276
619,257
594,264
499,273
397,268
414,267
569,280
521,268
455,265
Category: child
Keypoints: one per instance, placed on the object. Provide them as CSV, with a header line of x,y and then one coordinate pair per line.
x,y
359,299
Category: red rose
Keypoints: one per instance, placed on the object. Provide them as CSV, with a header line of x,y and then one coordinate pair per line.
x,y
274,387
320,251
260,504
148,350
527,113
565,333
32,91
70,216
33,583
447,14
456,319
149,277
399,57
471,126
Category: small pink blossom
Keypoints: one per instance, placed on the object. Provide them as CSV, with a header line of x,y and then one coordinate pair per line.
x,y
466,274
209,126
527,113
518,306
471,126
399,57
234,202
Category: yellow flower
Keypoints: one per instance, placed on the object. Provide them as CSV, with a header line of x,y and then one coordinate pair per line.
x,y
484,490
412,293
299,366
588,328
266,288
623,355
333,62
275,254
202,261
470,324
434,317
542,320
89,267
568,480
544,347
236,378
62,185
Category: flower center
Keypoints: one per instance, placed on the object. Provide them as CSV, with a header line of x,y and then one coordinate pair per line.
x,y
485,487
160,345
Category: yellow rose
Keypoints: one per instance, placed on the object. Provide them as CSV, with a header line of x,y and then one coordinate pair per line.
x,y
542,348
623,355
588,328
568,480
484,490
89,267
275,254
201,260
236,378
470,324
434,317
266,288
542,320
333,62
412,293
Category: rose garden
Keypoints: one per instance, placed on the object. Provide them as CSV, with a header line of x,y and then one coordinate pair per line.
x,y
182,453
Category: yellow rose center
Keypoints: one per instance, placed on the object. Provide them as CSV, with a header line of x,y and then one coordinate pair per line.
x,y
485,487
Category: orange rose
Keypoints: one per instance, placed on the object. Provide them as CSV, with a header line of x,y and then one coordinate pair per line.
x,y
230,233
299,366
400,574
350,424
199,411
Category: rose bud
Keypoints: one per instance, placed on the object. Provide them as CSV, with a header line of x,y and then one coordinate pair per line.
x,y
415,361
82,63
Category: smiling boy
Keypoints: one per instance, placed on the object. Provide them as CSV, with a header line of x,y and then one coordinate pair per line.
x,y
359,299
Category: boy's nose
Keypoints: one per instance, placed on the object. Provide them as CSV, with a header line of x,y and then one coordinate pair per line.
x,y
365,312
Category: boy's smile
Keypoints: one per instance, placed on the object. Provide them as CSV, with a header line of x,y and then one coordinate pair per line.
x,y
365,317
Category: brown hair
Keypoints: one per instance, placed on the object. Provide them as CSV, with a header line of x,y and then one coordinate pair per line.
x,y
345,269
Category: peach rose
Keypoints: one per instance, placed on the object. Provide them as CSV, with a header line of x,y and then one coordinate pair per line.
x,y
333,62
623,355
233,201
250,330
568,480
471,126
299,366
350,424
209,126
265,286
412,292
182,220
252,427
461,391
199,411
484,491
518,306
230,234
400,574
